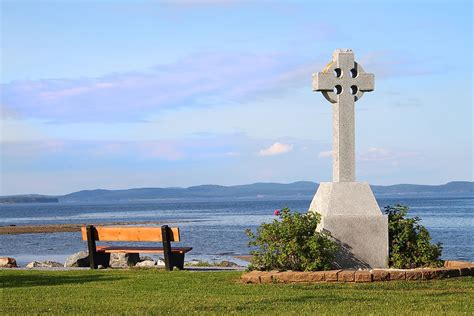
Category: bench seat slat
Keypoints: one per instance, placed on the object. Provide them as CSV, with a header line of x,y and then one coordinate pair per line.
x,y
126,249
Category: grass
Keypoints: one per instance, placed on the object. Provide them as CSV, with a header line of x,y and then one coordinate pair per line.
x,y
183,292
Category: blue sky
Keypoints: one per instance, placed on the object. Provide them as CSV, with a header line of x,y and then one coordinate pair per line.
x,y
120,94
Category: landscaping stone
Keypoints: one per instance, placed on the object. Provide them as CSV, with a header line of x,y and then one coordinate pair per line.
x,y
397,275
414,274
44,264
380,275
363,276
331,275
452,273
286,276
303,277
458,264
464,271
317,276
430,274
251,277
123,260
7,262
341,276
346,276
267,277
146,264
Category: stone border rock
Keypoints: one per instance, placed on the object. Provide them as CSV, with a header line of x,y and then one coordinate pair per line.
x,y
451,269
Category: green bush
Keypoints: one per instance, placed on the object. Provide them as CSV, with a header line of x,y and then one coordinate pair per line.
x,y
291,243
409,242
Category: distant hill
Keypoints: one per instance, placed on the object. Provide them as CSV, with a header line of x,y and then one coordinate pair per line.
x,y
33,198
301,189
451,188
255,190
262,190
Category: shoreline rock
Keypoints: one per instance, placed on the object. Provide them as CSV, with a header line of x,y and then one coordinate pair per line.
x,y
146,264
8,262
79,259
44,264
123,260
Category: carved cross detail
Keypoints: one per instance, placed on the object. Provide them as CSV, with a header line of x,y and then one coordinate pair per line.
x,y
342,83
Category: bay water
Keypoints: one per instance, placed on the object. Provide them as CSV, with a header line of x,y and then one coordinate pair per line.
x,y
214,228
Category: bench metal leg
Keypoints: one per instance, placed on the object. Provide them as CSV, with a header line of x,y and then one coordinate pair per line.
x,y
165,236
178,260
91,246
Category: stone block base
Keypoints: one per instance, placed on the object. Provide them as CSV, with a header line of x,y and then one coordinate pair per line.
x,y
363,240
351,214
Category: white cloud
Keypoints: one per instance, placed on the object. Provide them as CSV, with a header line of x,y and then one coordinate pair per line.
x,y
276,149
325,154
375,154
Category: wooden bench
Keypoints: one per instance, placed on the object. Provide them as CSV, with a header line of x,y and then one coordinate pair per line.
x,y
174,257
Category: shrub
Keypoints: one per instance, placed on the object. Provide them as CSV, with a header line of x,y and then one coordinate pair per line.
x,y
291,243
409,242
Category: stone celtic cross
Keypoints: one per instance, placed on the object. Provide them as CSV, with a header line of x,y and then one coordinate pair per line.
x,y
343,82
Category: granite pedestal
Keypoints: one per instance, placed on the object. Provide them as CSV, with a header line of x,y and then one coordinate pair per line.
x,y
351,214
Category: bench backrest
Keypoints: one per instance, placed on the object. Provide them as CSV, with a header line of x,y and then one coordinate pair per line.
x,y
131,233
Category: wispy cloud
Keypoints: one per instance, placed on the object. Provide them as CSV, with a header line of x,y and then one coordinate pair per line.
x,y
6,113
325,154
384,154
408,102
276,149
168,149
198,80
389,64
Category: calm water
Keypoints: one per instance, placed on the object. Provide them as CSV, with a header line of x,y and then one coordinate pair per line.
x,y
215,229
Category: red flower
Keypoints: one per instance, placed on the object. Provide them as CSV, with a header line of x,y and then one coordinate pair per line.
x,y
276,212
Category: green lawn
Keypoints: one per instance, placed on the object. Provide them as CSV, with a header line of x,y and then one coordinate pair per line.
x,y
182,292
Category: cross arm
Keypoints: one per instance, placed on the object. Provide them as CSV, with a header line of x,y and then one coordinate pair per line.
x,y
365,82
323,81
